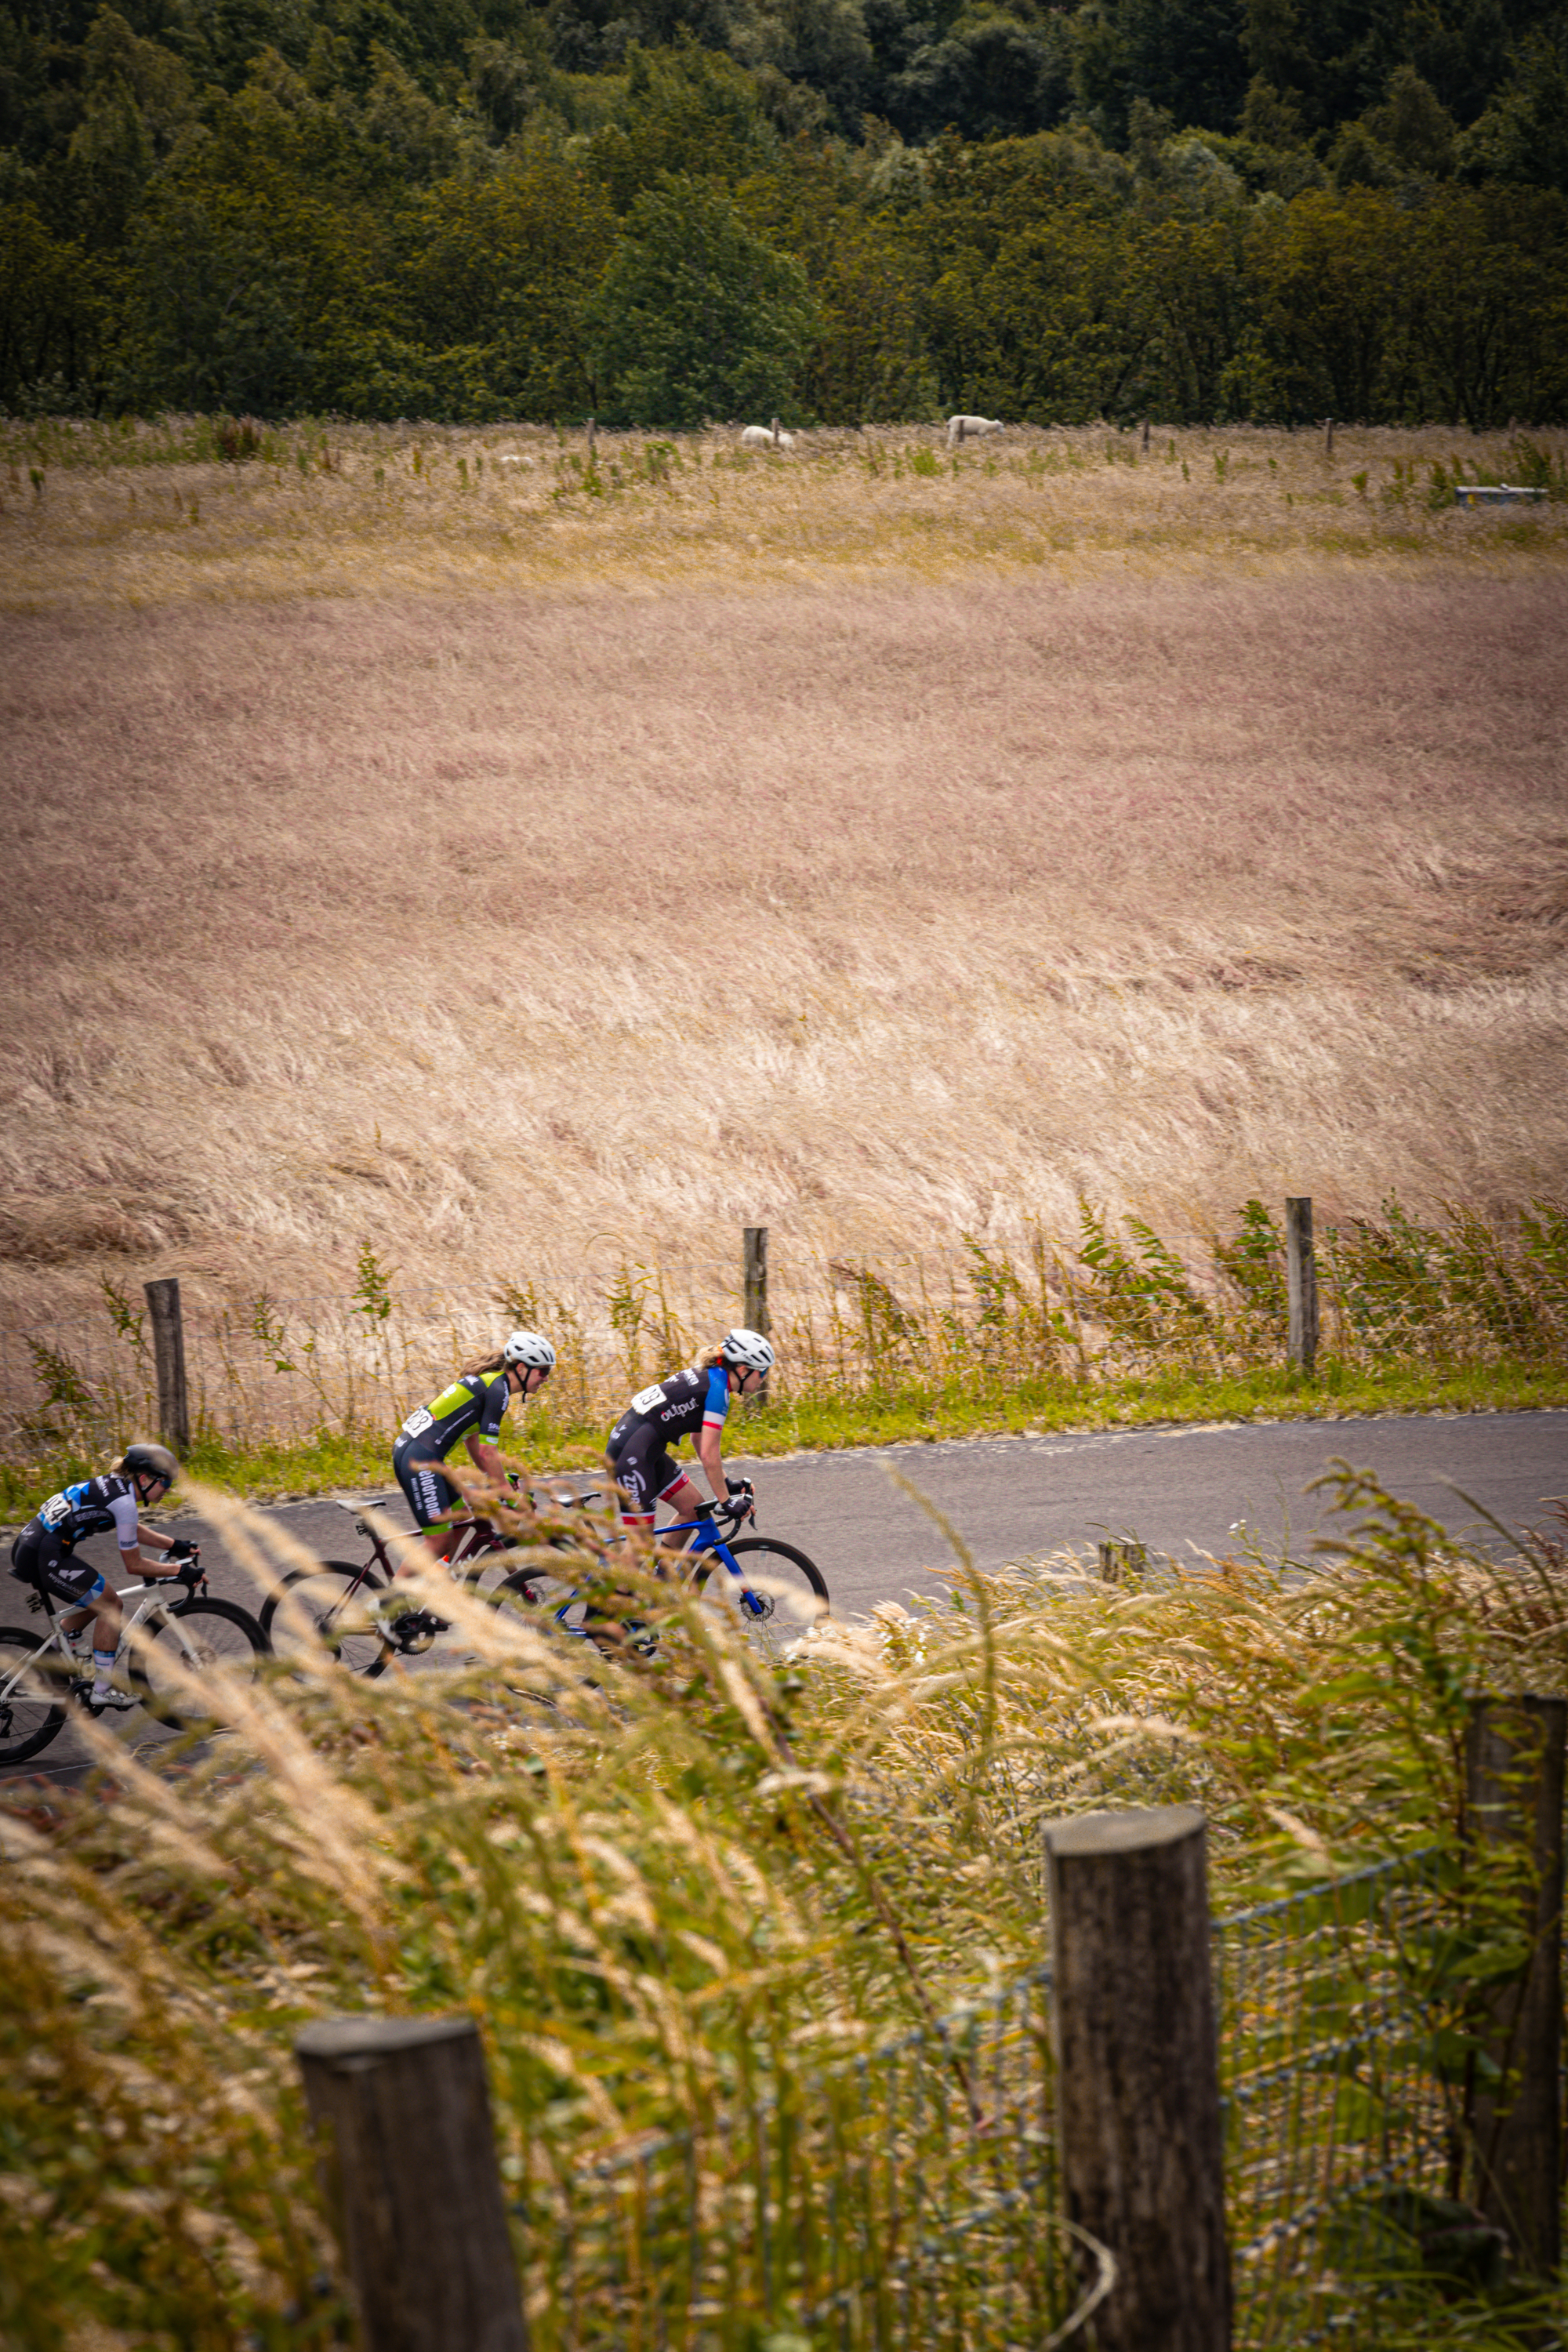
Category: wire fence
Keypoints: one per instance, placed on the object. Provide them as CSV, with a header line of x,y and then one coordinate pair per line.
x,y
1340,2123
263,1368
914,2197
891,2204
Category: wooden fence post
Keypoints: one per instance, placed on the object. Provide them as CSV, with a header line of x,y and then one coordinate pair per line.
x,y
169,1356
591,429
1328,437
1146,436
1513,1798
413,2183
754,1284
1302,1283
1137,2071
1122,1562
775,432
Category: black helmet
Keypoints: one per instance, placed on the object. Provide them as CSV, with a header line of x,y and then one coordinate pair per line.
x,y
141,1462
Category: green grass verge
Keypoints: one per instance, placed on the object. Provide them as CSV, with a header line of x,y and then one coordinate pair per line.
x,y
911,1413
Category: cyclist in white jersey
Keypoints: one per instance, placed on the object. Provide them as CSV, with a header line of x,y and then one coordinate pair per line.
x,y
44,1553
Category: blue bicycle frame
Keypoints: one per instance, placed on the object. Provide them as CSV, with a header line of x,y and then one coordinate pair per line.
x,y
705,1529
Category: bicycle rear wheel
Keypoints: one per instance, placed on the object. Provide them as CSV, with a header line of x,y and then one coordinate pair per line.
x,y
32,1705
331,1604
790,1587
198,1637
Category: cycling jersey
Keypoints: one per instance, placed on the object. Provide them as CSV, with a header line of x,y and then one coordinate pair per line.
x,y
473,1406
657,1419
675,1408
92,1508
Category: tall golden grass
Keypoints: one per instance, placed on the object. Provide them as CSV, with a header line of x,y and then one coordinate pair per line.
x,y
1047,1331
528,880
144,514
665,1886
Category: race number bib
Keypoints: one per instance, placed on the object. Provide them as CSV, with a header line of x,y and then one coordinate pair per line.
x,y
649,1400
418,1423
57,1508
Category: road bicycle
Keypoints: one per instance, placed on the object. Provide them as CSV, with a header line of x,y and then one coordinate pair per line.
x,y
162,1643
335,1602
779,1593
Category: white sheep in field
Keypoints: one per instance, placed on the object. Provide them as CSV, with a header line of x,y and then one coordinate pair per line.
x,y
969,428
763,436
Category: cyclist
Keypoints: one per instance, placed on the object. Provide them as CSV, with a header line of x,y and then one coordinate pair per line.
x,y
473,1407
42,1554
689,1403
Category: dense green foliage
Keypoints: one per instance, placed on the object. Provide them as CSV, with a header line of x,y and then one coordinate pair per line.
x,y
445,208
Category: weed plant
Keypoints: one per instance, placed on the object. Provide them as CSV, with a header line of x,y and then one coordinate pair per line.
x,y
688,1882
1116,1326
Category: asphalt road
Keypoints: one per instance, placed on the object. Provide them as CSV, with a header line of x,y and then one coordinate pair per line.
x,y
1180,1491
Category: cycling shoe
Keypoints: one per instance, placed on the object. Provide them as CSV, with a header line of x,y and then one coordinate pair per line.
x,y
110,1702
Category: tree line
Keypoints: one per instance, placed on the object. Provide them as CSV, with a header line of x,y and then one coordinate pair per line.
x,y
840,211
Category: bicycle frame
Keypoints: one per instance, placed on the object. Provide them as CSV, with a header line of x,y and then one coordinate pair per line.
x,y
152,1608
705,1534
705,1538
703,1530
463,1553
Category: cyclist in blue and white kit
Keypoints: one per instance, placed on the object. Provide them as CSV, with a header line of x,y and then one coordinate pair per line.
x,y
692,1404
42,1554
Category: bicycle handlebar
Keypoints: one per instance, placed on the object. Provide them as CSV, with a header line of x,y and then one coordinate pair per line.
x,y
733,1507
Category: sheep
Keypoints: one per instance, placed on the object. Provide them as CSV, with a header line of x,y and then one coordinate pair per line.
x,y
969,428
762,436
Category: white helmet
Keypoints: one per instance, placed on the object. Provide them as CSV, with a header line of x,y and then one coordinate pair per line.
x,y
526,1347
748,1350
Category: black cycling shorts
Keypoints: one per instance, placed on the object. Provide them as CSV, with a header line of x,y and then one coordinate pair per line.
x,y
38,1558
430,1495
644,1472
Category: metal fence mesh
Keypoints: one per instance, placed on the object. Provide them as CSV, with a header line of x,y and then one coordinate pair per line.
x,y
902,2200
1336,2110
275,1367
265,1367
914,2199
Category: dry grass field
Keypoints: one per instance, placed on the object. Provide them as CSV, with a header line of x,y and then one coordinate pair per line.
x,y
521,875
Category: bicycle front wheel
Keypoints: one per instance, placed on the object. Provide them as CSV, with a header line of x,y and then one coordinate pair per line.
x,y
31,1706
331,1605
195,1637
779,1595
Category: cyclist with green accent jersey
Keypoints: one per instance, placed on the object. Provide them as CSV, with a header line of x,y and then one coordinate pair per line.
x,y
472,1409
